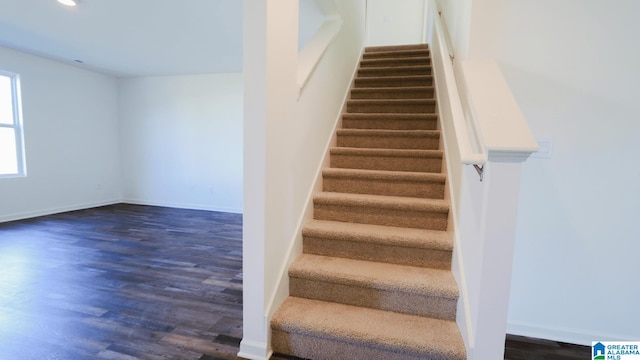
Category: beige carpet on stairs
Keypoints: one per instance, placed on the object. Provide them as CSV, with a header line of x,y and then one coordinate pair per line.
x,y
374,280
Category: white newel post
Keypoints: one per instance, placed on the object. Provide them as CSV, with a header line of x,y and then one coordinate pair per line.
x,y
508,142
501,192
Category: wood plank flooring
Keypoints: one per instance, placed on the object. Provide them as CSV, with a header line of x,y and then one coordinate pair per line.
x,y
139,282
122,282
525,348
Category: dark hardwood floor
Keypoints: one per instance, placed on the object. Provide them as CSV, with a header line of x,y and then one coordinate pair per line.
x,y
525,348
139,282
121,282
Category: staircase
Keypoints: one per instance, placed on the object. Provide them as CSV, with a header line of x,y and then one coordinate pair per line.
x,y
374,279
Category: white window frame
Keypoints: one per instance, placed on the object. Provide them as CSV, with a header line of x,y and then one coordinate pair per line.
x,y
17,124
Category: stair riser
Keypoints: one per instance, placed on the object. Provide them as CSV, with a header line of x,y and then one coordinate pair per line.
x,y
432,220
401,302
427,190
386,108
398,71
363,82
430,124
389,142
310,347
436,259
391,93
391,163
399,61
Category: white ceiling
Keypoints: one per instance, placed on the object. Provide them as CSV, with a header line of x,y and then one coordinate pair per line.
x,y
129,37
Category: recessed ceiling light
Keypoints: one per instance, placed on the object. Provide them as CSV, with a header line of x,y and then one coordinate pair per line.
x,y
68,2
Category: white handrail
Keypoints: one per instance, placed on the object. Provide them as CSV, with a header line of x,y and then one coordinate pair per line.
x,y
461,125
310,55
446,35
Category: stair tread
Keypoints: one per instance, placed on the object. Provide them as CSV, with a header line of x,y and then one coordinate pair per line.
x,y
385,175
400,58
393,88
369,53
395,67
387,132
385,152
434,338
389,116
392,81
379,234
394,77
397,47
382,201
393,54
392,101
377,275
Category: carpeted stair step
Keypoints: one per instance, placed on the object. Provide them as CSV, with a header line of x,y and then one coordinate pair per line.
x,y
323,330
393,81
396,106
398,211
395,70
390,121
386,159
374,280
369,55
396,61
387,48
389,139
388,183
388,244
410,92
400,288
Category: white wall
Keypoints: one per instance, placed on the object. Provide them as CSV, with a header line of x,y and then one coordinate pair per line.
x,y
181,141
316,116
311,18
572,66
71,139
284,143
395,22
457,21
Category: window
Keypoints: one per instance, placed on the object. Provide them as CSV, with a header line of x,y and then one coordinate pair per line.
x,y
11,144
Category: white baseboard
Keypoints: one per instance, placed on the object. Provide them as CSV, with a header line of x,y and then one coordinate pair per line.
x,y
572,336
254,350
181,205
56,210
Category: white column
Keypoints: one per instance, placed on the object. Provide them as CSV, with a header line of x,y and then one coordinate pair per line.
x,y
498,226
269,66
